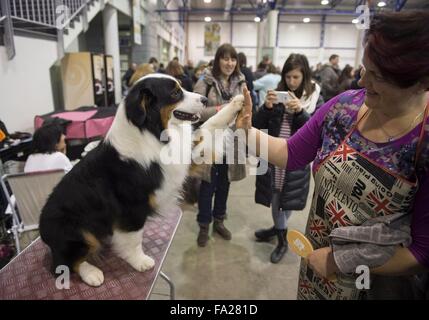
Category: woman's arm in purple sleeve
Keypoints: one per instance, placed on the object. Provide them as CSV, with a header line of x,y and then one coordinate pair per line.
x,y
303,145
420,225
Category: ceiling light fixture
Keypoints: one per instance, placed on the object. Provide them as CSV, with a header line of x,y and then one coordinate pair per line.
x,y
207,19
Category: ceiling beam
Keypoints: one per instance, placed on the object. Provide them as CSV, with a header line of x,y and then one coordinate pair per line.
x,y
229,4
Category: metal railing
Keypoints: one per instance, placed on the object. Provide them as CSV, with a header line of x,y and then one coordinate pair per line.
x,y
47,17
47,12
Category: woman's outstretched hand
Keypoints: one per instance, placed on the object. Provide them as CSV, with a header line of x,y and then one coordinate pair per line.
x,y
244,118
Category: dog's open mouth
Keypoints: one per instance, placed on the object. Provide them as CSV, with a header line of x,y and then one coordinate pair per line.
x,y
185,116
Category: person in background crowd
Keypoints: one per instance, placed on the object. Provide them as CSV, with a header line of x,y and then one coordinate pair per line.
x,y
267,82
161,68
316,73
261,69
346,78
248,75
284,190
189,69
356,78
49,150
155,64
127,76
199,70
141,71
329,75
219,84
176,70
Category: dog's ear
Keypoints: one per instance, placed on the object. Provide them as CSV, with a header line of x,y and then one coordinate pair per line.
x,y
137,103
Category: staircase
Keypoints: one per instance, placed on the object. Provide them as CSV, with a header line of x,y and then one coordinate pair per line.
x,y
58,20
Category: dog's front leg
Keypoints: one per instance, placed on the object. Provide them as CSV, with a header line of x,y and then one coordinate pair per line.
x,y
128,246
227,114
209,147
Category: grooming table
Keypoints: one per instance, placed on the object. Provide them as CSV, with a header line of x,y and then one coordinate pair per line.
x,y
28,276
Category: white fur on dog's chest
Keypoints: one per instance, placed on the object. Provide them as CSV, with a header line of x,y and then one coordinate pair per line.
x,y
169,193
176,172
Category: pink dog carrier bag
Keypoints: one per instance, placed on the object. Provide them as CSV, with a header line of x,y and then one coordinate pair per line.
x,y
82,123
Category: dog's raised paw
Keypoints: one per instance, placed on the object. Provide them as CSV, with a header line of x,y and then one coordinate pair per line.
x,y
237,103
143,263
91,275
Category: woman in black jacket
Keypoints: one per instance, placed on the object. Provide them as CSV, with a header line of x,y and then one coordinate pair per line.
x,y
285,191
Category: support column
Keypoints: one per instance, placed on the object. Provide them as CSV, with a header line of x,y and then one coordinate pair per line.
x,y
322,39
261,40
111,45
272,24
359,48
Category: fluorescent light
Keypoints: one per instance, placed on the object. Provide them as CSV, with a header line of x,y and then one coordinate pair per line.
x,y
324,2
381,4
355,21
207,1
306,20
207,19
257,19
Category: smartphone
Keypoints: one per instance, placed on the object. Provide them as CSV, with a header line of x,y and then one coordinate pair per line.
x,y
283,97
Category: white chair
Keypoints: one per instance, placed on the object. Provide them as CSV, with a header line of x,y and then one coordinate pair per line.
x,y
31,190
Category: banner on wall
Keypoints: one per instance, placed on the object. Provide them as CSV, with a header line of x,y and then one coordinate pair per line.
x,y
211,38
136,22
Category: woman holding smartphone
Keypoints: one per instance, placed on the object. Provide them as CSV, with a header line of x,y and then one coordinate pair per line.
x,y
285,191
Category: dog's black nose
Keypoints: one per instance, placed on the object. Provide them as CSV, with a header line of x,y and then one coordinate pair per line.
x,y
204,100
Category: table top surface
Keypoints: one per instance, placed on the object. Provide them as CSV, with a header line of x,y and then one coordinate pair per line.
x,y
28,276
17,144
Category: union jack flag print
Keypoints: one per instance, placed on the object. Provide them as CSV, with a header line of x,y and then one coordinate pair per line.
x,y
318,228
337,215
381,205
343,153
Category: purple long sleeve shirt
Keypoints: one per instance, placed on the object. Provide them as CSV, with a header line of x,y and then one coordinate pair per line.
x,y
329,126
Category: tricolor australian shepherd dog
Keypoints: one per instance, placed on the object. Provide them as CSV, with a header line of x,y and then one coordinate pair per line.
x,y
108,195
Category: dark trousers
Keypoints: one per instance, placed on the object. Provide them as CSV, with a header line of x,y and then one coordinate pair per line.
x,y
219,187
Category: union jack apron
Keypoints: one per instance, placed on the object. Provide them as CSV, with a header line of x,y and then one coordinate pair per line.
x,y
349,189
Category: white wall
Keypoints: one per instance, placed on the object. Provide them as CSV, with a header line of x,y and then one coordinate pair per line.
x,y
196,37
244,37
297,37
25,85
294,37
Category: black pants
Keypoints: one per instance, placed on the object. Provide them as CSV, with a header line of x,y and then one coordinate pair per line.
x,y
219,186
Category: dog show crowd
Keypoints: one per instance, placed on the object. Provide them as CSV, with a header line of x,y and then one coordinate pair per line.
x,y
362,135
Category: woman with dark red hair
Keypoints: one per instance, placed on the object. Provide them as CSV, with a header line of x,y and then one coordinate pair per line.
x,y
370,149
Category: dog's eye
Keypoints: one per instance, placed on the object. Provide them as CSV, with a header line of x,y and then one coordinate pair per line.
x,y
176,94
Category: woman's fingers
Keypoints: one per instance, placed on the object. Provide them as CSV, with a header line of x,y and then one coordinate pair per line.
x,y
247,101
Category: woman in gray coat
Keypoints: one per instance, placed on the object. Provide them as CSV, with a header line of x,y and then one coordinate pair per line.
x,y
219,84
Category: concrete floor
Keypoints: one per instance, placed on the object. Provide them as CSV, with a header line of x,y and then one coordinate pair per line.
x,y
236,269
